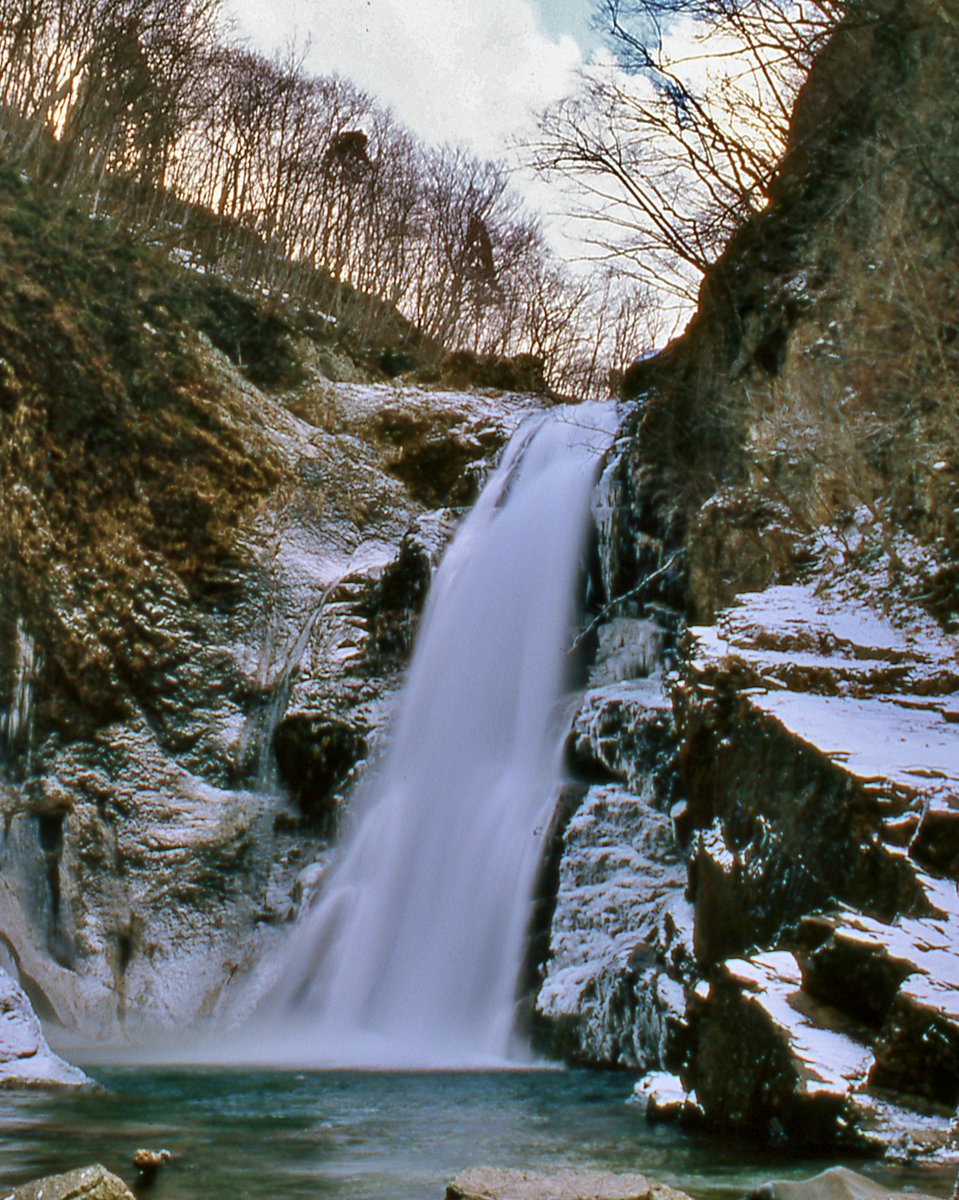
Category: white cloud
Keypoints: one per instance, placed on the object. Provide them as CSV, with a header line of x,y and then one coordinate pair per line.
x,y
452,70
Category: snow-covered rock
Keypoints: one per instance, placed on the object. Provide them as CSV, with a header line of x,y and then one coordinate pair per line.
x,y
620,936
757,904
154,842
769,1057
620,923
26,1061
820,766
623,730
662,1097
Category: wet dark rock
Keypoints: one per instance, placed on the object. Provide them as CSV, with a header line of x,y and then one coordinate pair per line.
x,y
767,1061
316,755
722,925
393,606
837,960
543,911
935,840
917,1051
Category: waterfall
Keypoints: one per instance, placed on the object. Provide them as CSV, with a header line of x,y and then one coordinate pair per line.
x,y
411,954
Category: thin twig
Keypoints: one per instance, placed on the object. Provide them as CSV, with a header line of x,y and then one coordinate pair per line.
x,y
604,612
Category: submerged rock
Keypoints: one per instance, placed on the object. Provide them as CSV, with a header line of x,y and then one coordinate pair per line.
x,y
88,1183
148,1164
486,1183
838,1183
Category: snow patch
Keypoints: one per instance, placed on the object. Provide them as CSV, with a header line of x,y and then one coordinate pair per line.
x,y
831,1063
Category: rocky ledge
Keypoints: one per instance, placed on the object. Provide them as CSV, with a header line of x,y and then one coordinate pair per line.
x,y
765,918
820,765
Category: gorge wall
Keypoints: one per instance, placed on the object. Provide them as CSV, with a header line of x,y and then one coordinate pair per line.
x,y
211,564
757,897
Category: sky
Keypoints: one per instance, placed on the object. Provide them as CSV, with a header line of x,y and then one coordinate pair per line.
x,y
470,71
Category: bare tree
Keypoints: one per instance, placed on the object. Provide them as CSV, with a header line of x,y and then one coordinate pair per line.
x,y
673,143
281,180
117,84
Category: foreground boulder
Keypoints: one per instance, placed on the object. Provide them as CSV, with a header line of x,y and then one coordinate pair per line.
x,y
26,1061
88,1183
486,1183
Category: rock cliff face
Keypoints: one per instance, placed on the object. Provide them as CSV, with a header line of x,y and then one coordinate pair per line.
x,y
764,917
150,851
207,588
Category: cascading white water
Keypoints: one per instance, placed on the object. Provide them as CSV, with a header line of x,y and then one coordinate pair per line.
x,y
411,955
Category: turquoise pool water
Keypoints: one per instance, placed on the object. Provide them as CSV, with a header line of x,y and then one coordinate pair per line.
x,y
338,1135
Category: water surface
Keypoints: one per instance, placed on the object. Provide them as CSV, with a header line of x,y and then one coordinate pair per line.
x,y
338,1135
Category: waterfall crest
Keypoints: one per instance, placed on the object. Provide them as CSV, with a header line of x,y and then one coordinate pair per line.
x,y
411,954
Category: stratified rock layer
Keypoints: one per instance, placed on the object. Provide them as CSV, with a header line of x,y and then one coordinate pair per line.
x,y
818,740
781,949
